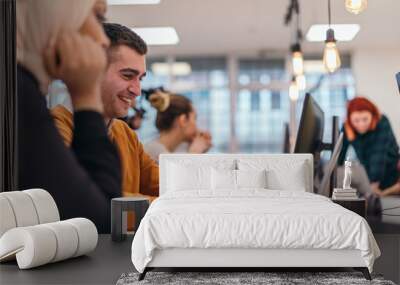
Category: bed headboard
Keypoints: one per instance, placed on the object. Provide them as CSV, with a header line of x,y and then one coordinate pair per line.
x,y
286,162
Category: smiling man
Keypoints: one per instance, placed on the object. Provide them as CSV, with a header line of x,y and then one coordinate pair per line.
x,y
120,86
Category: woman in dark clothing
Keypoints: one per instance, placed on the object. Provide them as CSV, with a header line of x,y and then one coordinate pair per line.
x,y
373,140
65,40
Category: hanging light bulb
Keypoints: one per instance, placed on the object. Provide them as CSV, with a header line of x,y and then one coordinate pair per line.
x,y
356,6
331,54
297,59
331,57
293,90
301,82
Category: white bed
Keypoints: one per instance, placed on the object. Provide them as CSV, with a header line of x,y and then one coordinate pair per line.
x,y
268,218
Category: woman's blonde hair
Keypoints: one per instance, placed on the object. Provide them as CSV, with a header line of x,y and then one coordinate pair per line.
x,y
169,107
38,21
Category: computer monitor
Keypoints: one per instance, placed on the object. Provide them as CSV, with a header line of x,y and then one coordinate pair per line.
x,y
325,188
311,128
286,139
310,138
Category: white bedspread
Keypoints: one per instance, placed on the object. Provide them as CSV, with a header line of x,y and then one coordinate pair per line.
x,y
250,219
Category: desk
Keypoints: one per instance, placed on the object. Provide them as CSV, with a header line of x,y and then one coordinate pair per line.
x,y
106,264
102,266
386,230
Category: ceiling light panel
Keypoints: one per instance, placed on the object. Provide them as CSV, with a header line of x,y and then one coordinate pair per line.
x,y
343,32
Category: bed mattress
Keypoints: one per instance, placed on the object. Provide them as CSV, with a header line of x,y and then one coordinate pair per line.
x,y
250,219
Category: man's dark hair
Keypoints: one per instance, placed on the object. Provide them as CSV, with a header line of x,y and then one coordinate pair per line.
x,y
121,35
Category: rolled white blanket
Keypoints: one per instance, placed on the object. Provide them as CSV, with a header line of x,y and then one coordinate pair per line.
x,y
7,218
26,208
32,246
31,231
67,240
87,235
40,244
45,205
23,208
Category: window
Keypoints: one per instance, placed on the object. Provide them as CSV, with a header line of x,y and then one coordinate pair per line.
x,y
332,91
207,87
261,115
260,99
275,100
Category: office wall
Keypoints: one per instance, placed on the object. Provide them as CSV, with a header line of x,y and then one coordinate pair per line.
x,y
374,72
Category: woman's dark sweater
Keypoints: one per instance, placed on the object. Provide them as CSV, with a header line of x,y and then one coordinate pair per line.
x,y
378,152
83,179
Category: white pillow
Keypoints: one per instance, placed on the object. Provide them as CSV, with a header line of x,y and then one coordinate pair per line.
x,y
223,179
279,180
281,174
182,177
251,178
226,179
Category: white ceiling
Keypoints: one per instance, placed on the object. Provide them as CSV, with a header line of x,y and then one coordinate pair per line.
x,y
252,26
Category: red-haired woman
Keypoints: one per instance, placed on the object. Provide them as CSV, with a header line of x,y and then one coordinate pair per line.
x,y
370,134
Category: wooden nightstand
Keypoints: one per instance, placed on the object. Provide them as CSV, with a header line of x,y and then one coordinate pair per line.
x,y
356,205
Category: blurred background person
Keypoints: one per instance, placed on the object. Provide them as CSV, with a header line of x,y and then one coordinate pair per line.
x,y
135,121
370,134
135,116
176,123
395,189
65,40
392,190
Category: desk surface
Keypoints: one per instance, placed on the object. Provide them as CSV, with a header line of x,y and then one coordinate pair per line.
x,y
389,221
110,259
381,226
103,266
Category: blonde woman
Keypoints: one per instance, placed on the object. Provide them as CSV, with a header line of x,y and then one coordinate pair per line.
x,y
176,122
58,39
